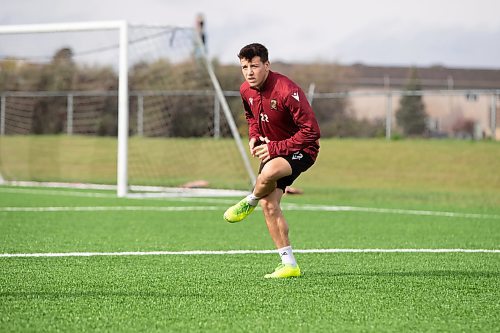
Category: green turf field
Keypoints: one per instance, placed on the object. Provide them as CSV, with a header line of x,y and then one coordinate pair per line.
x,y
111,277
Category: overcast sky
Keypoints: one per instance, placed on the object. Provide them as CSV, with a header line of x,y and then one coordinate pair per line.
x,y
454,33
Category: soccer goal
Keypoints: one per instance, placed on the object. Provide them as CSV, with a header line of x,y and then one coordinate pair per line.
x,y
133,106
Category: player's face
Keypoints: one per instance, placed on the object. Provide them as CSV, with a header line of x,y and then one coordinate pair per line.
x,y
255,71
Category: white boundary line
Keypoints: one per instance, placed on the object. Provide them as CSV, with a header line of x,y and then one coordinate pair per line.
x,y
110,209
387,211
286,206
56,192
289,207
233,252
147,191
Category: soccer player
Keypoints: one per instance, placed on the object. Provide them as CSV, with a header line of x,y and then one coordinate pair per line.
x,y
284,136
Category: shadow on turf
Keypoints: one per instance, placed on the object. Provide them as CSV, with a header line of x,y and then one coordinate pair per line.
x,y
436,273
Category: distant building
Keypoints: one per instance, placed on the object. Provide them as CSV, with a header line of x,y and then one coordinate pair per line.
x,y
449,114
434,77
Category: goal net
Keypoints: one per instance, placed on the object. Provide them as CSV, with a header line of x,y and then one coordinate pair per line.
x,y
136,107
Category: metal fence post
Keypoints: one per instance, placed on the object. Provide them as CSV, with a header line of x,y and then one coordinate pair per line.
x,y
2,115
140,115
388,116
493,116
216,118
69,114
310,92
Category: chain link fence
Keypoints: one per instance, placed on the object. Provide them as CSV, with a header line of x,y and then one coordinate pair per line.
x,y
469,114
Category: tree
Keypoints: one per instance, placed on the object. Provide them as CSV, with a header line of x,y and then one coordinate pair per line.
x,y
411,115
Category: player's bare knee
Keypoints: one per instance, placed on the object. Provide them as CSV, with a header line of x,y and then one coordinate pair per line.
x,y
266,178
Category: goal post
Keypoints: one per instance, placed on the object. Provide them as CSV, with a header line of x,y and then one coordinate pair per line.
x,y
166,98
122,164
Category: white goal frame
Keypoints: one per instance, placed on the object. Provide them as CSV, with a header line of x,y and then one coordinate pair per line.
x,y
123,94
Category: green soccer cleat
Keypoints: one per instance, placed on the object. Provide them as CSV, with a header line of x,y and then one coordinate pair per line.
x,y
239,211
284,271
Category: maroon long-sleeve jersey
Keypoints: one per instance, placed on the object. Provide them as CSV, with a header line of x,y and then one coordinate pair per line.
x,y
280,111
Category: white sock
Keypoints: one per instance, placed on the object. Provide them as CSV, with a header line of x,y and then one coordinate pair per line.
x,y
252,199
286,255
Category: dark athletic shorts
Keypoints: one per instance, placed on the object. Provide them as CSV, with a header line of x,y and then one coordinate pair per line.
x,y
299,161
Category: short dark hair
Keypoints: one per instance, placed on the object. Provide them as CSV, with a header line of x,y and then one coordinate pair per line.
x,y
254,50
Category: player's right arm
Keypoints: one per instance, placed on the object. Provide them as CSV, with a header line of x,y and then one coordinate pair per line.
x,y
253,127
251,144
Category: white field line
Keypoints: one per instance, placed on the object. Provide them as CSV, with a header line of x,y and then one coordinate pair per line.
x,y
109,208
295,207
387,211
233,252
59,193
148,192
289,207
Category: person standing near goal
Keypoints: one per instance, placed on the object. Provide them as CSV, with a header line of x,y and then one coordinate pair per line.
x,y
284,136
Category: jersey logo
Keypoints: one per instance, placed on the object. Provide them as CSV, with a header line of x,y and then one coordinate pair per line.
x,y
296,96
274,104
297,156
251,101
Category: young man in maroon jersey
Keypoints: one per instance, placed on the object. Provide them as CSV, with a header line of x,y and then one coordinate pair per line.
x,y
284,135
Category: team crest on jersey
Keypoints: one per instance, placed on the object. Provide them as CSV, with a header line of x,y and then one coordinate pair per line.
x,y
251,101
274,104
